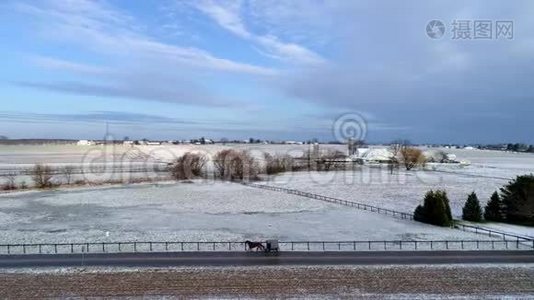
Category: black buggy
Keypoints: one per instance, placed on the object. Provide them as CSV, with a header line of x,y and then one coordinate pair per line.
x,y
271,247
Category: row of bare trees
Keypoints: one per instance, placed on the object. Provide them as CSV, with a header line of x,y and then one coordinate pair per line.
x,y
228,164
234,165
42,176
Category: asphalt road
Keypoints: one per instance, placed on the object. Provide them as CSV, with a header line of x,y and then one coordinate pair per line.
x,y
261,259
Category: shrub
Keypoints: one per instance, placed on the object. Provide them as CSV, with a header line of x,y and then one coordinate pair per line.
x,y
236,165
471,210
10,183
332,160
80,182
518,199
494,210
275,164
188,166
23,185
42,176
435,209
68,172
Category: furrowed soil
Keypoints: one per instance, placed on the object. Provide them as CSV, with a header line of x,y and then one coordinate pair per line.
x,y
472,282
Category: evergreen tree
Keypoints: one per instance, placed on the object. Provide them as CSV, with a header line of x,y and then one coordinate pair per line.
x,y
435,209
420,214
447,205
518,199
472,211
494,209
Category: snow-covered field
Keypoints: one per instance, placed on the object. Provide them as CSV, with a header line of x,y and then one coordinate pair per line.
x,y
402,191
194,212
215,211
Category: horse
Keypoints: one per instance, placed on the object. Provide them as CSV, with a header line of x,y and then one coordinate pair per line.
x,y
254,245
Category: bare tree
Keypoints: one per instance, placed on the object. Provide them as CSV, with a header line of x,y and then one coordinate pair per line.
x,y
10,183
236,165
277,163
219,162
42,176
68,172
411,157
189,166
396,147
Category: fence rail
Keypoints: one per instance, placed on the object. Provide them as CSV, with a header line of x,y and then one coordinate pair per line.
x,y
491,232
380,210
311,246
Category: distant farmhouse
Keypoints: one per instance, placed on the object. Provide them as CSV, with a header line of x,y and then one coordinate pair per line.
x,y
85,143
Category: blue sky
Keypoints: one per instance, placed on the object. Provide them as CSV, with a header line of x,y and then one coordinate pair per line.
x,y
264,68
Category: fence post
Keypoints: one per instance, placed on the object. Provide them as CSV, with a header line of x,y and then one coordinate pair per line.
x,y
135,246
24,249
150,245
385,247
447,245
354,246
431,245
415,245
103,247
369,245
478,245
462,243
40,249
71,248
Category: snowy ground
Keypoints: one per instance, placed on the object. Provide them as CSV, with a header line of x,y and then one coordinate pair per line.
x,y
402,191
195,212
229,212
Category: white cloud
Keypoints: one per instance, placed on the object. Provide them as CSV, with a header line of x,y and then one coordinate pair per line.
x,y
227,15
60,64
104,29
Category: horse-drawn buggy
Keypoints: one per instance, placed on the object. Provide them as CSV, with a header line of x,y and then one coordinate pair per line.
x,y
270,247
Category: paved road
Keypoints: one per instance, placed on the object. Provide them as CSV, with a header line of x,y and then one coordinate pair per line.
x,y
254,259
